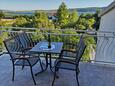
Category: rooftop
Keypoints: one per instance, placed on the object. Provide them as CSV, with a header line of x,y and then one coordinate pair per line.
x,y
107,9
91,74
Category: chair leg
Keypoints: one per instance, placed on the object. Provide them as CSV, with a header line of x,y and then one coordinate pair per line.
x,y
54,77
77,77
41,65
78,70
57,69
32,75
13,72
40,62
23,65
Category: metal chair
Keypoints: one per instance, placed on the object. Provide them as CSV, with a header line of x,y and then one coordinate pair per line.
x,y
26,41
18,57
70,60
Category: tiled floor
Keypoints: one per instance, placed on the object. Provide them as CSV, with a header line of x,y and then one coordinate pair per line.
x,y
90,75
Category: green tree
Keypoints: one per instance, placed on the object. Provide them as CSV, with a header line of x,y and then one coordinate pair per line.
x,y
73,17
41,20
81,24
90,23
20,22
3,36
97,20
70,37
29,21
1,14
85,21
89,51
62,15
37,36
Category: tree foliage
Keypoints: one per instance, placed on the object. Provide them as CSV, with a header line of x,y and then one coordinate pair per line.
x,y
2,14
41,20
73,17
4,35
62,15
70,36
20,22
91,43
97,20
85,21
65,19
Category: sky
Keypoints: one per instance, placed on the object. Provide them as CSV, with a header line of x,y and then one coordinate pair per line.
x,y
50,4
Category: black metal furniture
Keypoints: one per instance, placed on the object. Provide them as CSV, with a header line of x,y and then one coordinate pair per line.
x,y
26,41
42,47
70,59
18,57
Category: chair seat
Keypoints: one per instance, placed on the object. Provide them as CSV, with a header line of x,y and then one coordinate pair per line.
x,y
22,62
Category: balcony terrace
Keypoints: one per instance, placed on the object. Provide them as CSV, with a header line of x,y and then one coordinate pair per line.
x,y
93,72
90,75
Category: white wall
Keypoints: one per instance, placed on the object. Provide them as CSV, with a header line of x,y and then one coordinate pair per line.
x,y
106,46
108,21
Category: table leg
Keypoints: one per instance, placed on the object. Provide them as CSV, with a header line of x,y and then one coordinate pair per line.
x,y
50,62
46,62
46,57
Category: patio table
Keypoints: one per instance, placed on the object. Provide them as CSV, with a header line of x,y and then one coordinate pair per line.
x,y
42,47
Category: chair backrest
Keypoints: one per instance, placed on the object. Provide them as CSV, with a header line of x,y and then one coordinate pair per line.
x,y
80,49
25,39
13,46
12,34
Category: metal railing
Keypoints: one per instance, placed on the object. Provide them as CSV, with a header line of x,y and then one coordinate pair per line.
x,y
100,44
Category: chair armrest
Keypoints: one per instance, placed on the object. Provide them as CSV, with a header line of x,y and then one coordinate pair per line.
x,y
68,51
19,53
28,48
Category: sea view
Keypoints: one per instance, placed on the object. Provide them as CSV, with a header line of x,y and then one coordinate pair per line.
x,y
90,10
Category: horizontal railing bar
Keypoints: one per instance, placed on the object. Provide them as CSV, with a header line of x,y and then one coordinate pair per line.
x,y
62,34
22,28
104,46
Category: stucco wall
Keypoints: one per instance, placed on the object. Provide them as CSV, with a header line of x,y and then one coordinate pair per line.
x,y
108,21
106,46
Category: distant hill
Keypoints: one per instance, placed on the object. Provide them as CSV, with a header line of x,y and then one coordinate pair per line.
x,y
87,10
31,12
